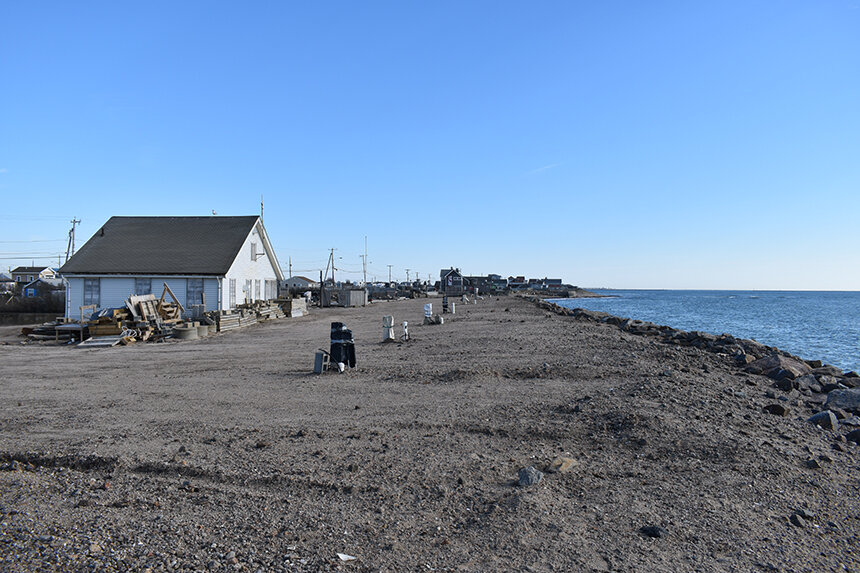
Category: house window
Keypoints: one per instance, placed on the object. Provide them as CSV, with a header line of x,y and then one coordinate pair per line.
x,y
92,288
30,278
247,290
232,293
257,289
271,290
193,292
142,286
253,251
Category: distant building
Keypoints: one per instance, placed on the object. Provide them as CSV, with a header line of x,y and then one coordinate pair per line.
x,y
300,284
217,261
24,275
485,284
516,283
451,282
53,288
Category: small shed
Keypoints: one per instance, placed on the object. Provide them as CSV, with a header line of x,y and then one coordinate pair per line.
x,y
353,297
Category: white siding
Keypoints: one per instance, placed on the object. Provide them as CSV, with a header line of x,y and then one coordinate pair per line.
x,y
245,268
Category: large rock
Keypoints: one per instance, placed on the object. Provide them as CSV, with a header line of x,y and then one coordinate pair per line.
x,y
529,476
776,409
560,465
805,382
778,367
845,399
825,419
827,370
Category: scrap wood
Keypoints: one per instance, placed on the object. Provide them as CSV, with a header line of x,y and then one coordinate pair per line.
x,y
175,300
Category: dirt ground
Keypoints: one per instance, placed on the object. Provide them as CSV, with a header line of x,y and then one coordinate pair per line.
x,y
228,454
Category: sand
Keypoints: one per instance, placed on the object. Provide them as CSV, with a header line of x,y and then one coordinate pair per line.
x,y
228,454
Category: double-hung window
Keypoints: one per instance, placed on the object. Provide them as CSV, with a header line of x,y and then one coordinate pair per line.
x,y
142,286
92,290
194,292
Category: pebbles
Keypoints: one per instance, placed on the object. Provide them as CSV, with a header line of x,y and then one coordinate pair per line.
x,y
279,472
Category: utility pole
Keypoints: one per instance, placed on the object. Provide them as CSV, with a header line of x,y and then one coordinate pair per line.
x,y
291,266
389,274
261,207
364,261
71,244
407,275
331,258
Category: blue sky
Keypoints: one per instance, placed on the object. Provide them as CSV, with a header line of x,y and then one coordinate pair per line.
x,y
611,144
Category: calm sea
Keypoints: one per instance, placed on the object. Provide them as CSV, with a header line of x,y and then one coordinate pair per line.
x,y
812,325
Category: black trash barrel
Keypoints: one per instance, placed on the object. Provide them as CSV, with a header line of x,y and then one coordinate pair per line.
x,y
342,344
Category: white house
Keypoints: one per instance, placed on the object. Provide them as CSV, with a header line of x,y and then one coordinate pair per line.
x,y
219,261
24,275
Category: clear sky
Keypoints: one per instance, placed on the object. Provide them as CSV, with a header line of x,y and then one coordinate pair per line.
x,y
664,144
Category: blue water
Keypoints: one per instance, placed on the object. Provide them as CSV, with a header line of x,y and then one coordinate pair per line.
x,y
812,325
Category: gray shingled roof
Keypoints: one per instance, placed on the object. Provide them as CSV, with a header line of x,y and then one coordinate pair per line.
x,y
162,245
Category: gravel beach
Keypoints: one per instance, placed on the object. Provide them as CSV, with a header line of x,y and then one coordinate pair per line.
x,y
229,454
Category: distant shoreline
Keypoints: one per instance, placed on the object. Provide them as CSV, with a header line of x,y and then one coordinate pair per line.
x,y
575,292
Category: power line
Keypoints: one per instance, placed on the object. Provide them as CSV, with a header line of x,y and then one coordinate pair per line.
x,y
36,241
39,258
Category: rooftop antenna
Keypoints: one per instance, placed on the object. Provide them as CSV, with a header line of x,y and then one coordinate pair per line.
x,y
261,207
70,247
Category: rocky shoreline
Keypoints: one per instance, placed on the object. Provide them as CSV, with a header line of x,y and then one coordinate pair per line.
x,y
831,393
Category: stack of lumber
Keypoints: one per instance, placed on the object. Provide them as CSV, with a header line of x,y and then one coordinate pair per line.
x,y
293,307
107,322
54,330
227,320
265,310
247,318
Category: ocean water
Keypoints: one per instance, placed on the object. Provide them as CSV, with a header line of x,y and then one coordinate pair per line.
x,y
812,325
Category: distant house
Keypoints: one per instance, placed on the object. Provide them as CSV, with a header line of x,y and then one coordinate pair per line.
x,y
451,282
24,275
300,284
516,283
547,284
217,261
485,284
52,288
